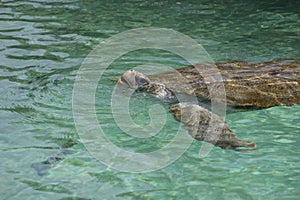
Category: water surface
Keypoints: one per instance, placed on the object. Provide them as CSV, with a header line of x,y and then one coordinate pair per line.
x,y
43,43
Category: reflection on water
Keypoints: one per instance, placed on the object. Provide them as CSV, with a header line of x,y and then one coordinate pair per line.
x,y
42,44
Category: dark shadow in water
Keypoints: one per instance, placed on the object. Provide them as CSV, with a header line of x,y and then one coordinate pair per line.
x,y
43,167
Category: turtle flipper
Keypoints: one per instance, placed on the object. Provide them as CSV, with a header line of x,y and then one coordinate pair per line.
x,y
203,125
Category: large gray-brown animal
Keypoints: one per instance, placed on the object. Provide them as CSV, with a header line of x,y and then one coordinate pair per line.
x,y
260,85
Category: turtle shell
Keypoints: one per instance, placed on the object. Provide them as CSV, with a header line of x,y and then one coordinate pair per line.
x,y
266,84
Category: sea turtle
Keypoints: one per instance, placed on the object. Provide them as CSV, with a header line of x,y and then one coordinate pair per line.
x,y
258,85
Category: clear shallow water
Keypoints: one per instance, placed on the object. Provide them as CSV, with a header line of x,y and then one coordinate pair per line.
x,y
42,46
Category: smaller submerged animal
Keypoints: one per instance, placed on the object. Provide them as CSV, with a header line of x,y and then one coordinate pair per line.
x,y
202,124
43,167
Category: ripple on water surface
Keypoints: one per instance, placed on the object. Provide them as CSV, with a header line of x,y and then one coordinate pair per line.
x,y
42,44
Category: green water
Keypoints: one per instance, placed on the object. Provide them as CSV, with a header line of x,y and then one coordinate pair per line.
x,y
42,45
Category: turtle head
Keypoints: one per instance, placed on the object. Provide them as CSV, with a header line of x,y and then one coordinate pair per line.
x,y
133,79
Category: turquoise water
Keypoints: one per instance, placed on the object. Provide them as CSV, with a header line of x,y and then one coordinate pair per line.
x,y
42,45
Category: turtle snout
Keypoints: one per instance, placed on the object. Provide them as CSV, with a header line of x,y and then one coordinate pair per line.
x,y
128,79
133,79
